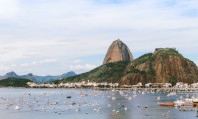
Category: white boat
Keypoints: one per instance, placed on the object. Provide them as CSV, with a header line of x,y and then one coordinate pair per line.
x,y
178,103
17,108
195,100
158,98
188,100
171,94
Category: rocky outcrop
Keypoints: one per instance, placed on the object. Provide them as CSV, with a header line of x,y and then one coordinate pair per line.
x,y
118,51
163,66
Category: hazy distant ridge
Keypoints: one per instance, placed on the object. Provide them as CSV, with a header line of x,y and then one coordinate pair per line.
x,y
38,79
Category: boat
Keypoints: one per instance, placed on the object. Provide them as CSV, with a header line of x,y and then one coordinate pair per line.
x,y
178,103
166,104
195,100
69,95
73,103
188,100
171,94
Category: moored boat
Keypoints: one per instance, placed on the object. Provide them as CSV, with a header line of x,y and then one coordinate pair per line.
x,y
166,104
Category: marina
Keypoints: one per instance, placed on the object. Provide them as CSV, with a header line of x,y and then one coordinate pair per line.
x,y
22,103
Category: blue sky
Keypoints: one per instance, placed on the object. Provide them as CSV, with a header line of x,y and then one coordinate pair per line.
x,y
56,36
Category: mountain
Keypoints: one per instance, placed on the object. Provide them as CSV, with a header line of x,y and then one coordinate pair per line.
x,y
14,82
118,51
38,79
111,72
10,75
45,79
162,66
29,76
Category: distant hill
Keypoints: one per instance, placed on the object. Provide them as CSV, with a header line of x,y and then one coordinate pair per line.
x,y
9,75
14,82
110,72
45,79
38,79
162,66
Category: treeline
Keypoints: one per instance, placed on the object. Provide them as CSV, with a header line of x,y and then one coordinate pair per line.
x,y
14,82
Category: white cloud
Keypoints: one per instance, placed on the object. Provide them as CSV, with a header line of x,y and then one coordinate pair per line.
x,y
47,61
25,64
77,61
30,30
41,62
85,67
13,65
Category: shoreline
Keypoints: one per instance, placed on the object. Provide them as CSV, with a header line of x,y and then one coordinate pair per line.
x,y
181,89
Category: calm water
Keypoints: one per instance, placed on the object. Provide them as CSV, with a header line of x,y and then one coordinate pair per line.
x,y
93,104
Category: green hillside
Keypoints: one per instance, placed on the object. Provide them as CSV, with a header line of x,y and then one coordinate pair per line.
x,y
111,72
14,82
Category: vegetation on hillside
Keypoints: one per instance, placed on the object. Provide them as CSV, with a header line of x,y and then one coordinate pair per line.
x,y
172,52
143,59
169,52
14,82
111,72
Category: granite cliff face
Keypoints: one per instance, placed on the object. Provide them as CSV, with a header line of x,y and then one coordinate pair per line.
x,y
118,51
162,66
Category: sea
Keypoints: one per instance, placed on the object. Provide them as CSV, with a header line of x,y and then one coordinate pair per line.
x,y
24,103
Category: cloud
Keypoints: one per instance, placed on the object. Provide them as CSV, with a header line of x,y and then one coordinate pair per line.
x,y
47,61
77,61
25,64
41,62
85,67
13,65
30,30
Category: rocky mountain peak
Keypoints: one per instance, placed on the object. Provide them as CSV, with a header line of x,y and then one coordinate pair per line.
x,y
118,51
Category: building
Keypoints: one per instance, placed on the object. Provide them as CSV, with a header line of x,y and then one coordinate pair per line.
x,y
167,85
139,84
148,85
194,85
181,85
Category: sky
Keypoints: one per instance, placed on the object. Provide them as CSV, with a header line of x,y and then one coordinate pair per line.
x,y
52,37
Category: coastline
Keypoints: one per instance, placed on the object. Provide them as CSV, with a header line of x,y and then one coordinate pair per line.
x,y
167,89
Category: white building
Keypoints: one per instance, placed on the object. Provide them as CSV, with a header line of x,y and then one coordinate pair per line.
x,y
148,85
181,85
167,85
139,84
194,85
